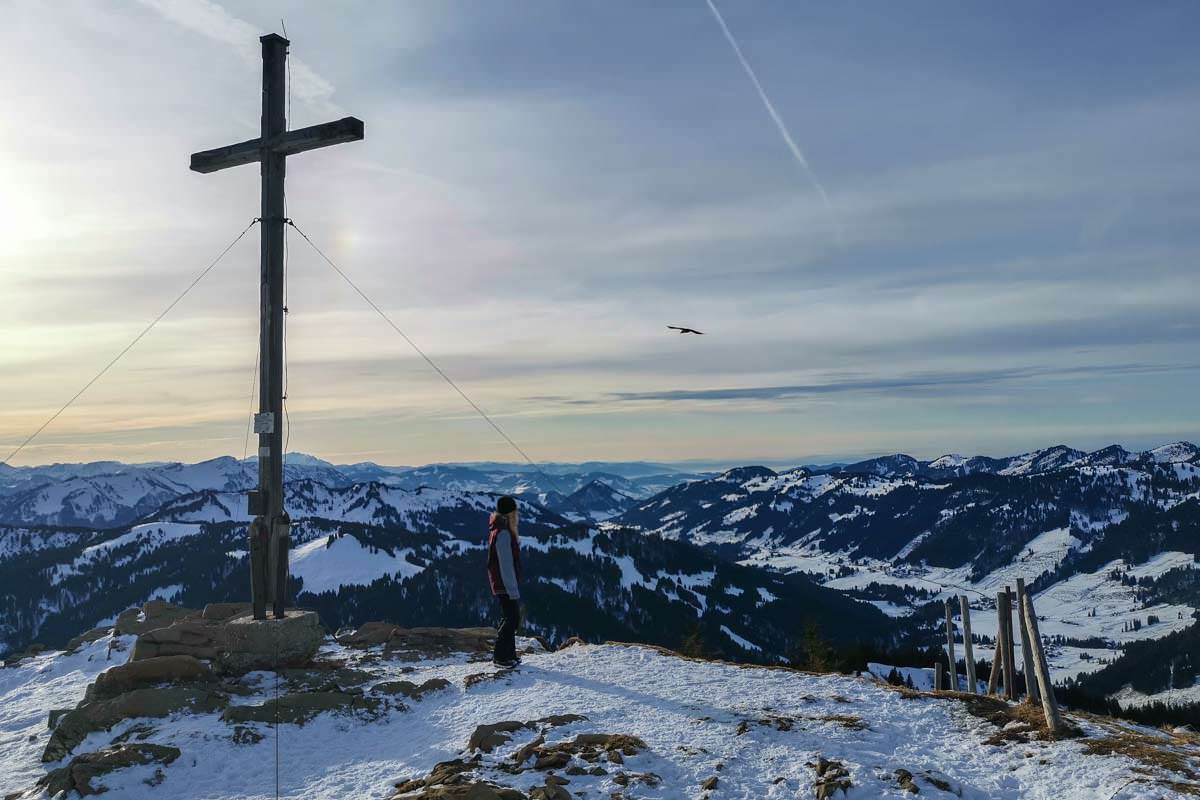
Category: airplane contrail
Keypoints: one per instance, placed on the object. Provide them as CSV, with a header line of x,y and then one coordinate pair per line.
x,y
779,123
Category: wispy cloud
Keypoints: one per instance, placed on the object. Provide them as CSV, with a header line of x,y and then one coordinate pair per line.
x,y
939,381
213,21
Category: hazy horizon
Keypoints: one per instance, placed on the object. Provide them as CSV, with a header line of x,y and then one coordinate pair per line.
x,y
922,229
693,463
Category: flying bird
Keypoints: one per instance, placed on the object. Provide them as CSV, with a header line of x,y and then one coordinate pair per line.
x,y
685,330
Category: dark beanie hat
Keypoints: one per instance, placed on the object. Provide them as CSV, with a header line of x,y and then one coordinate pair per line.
x,y
505,504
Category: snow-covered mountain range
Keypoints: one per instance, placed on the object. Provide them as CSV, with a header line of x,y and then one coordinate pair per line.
x,y
372,550
740,560
1108,540
108,493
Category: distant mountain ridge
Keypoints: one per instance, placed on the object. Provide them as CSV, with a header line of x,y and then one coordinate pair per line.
x,y
107,494
1044,460
599,499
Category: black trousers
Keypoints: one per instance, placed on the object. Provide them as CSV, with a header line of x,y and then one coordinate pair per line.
x,y
506,637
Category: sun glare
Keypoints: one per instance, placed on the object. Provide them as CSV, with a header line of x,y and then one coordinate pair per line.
x,y
24,212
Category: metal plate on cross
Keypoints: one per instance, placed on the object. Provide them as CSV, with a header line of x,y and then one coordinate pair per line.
x,y
264,422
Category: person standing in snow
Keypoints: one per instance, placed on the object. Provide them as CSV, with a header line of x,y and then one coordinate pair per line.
x,y
504,574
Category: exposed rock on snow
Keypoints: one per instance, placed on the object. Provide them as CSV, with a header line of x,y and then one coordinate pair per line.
x,y
832,777
588,754
415,644
87,637
151,616
325,677
410,689
140,674
31,652
102,715
302,707
79,774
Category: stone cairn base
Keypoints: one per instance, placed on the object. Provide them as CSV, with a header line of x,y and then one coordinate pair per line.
x,y
183,660
229,636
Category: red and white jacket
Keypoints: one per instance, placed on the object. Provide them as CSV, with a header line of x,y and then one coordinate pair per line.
x,y
504,558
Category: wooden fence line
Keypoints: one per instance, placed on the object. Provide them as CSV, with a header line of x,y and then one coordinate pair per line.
x,y
1035,668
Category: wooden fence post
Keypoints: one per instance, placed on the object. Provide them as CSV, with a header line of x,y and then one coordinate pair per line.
x,y
994,676
937,676
1031,687
1010,666
950,649
969,655
998,661
1049,701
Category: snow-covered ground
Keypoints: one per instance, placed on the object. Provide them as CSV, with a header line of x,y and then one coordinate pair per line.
x,y
1131,698
1084,606
760,731
28,692
329,562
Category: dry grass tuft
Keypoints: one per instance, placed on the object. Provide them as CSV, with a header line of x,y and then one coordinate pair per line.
x,y
1156,751
847,721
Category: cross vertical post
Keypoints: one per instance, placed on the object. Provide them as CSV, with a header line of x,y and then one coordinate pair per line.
x,y
270,531
272,167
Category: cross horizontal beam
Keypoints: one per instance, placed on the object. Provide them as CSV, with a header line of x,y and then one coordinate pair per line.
x,y
347,129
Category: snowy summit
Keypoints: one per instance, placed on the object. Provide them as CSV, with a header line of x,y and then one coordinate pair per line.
x,y
392,713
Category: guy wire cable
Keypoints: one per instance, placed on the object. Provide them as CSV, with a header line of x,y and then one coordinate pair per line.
x,y
486,417
128,347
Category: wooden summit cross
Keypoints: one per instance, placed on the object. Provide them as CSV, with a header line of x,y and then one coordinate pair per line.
x,y
269,532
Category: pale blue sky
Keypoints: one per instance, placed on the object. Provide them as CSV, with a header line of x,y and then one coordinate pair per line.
x,y
1007,259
